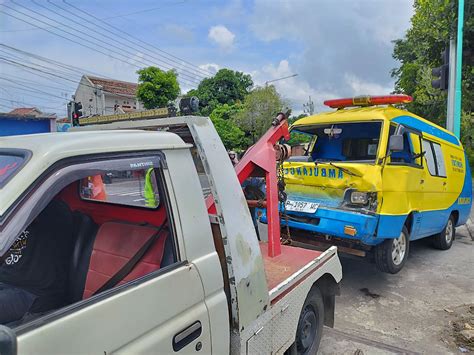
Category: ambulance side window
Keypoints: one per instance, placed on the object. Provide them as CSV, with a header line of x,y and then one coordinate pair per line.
x,y
415,140
429,156
434,158
411,153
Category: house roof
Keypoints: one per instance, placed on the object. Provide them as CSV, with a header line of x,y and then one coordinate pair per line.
x,y
114,86
25,111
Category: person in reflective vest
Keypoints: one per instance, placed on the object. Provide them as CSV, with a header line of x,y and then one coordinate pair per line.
x,y
150,188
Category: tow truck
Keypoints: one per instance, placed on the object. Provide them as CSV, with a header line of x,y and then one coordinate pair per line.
x,y
206,284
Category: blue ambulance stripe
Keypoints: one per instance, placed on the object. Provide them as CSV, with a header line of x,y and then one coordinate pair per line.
x,y
415,123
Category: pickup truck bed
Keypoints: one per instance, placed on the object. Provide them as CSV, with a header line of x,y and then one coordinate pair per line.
x,y
281,267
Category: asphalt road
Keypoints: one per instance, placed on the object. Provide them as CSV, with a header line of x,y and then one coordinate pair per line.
x,y
410,312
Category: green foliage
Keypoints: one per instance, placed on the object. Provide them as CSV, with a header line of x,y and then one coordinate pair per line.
x,y
297,138
259,108
432,25
156,88
231,135
226,87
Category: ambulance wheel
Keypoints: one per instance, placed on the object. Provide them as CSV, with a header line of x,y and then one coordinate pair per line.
x,y
391,255
445,238
310,325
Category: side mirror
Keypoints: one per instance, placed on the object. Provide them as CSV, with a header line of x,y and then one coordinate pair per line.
x,y
395,143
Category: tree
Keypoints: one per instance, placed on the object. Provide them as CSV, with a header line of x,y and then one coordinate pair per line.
x,y
156,88
259,109
226,87
432,25
231,135
297,138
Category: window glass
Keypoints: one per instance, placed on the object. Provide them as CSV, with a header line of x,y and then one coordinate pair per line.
x,y
9,164
125,187
430,160
347,142
439,159
411,153
416,148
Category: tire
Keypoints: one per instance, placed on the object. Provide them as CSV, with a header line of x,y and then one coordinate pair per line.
x,y
445,238
310,325
391,255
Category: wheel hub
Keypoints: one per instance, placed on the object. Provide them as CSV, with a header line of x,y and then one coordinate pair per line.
x,y
449,232
399,248
308,330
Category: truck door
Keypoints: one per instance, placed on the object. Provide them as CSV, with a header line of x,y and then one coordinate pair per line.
x,y
156,308
404,178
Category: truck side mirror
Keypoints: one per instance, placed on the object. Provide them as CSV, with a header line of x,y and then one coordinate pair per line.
x,y
395,143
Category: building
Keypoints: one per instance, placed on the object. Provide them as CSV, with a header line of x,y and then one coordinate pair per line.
x,y
100,96
26,120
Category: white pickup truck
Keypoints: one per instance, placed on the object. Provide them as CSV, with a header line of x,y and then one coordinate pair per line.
x,y
157,266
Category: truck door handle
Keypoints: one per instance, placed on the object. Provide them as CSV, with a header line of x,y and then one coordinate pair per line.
x,y
187,336
422,181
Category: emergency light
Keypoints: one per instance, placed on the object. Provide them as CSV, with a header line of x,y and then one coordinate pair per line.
x,y
368,101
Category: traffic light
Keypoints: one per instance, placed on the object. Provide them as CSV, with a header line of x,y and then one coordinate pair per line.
x,y
76,113
442,73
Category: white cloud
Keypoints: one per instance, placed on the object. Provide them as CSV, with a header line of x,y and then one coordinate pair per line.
x,y
210,67
361,87
296,90
222,37
336,43
178,32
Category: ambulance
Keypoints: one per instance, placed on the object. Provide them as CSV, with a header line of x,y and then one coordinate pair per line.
x,y
373,179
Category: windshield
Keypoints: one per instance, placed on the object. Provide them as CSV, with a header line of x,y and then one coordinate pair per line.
x,y
345,142
10,163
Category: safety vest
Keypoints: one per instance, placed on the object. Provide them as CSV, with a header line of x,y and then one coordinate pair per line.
x,y
149,191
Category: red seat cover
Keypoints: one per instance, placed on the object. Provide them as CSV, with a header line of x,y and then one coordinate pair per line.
x,y
115,244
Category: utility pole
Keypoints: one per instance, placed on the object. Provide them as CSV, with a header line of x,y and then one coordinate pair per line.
x,y
309,107
458,93
450,76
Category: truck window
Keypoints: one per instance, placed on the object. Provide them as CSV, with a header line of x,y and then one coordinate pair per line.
x,y
125,187
10,163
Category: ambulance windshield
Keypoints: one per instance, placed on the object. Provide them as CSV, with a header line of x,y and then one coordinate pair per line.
x,y
345,142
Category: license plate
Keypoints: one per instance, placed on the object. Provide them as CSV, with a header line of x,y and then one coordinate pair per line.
x,y
301,206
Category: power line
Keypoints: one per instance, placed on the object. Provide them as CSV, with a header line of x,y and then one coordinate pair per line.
x,y
107,54
205,72
17,64
104,18
192,80
191,76
199,72
26,103
19,79
32,89
142,11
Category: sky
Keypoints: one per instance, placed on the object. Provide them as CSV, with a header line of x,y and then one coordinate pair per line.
x,y
337,48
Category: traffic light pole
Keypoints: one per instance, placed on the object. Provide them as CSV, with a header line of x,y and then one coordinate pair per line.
x,y
457,99
451,85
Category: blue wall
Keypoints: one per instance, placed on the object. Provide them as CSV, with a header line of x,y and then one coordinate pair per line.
x,y
11,127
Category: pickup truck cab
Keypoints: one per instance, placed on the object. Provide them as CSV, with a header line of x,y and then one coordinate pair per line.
x,y
141,193
375,178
